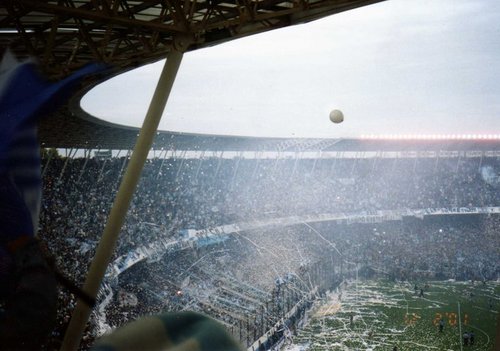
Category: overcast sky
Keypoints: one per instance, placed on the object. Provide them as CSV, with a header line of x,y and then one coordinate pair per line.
x,y
403,67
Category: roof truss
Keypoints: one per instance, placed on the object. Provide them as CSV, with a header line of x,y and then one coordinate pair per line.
x,y
65,34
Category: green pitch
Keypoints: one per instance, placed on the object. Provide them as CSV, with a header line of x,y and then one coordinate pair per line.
x,y
386,314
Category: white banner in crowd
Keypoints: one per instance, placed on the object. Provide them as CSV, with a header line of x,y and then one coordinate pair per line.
x,y
191,237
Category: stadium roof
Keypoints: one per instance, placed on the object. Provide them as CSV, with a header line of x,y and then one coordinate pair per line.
x,y
127,34
65,35
72,127
85,131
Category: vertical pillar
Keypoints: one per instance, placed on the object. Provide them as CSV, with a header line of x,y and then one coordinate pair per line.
x,y
235,171
334,163
123,166
262,327
183,157
240,336
457,168
375,161
248,331
66,162
123,198
297,157
219,163
437,162
161,164
318,156
278,155
102,170
50,158
87,157
199,164
354,161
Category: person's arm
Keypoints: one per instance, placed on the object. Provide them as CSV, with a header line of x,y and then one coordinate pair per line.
x,y
30,304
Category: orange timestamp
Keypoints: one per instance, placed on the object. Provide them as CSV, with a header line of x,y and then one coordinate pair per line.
x,y
450,317
411,318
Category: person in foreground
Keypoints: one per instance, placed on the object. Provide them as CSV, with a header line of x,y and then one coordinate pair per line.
x,y
179,331
28,294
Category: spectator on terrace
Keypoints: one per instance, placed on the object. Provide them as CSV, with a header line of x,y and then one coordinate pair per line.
x,y
466,338
441,325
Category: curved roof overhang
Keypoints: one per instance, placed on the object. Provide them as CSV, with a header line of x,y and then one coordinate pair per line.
x,y
84,131
65,35
72,127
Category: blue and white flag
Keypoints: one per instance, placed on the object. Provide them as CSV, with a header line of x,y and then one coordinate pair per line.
x,y
25,97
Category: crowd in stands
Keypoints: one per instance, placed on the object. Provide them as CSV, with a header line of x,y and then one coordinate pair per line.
x,y
249,281
247,288
460,247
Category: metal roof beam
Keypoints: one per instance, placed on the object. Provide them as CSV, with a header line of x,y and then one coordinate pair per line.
x,y
100,17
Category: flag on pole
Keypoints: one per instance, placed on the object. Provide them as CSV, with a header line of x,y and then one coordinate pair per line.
x,y
25,97
27,283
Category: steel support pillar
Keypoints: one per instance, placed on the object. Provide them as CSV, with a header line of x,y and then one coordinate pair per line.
x,y
123,198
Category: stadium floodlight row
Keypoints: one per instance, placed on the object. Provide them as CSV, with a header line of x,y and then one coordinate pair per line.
x,y
432,136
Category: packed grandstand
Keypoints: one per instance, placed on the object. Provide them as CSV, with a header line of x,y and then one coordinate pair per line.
x,y
253,241
258,233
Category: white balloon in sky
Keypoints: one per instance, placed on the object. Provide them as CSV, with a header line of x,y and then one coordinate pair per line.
x,y
336,116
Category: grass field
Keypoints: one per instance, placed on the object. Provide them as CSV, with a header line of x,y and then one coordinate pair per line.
x,y
386,314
